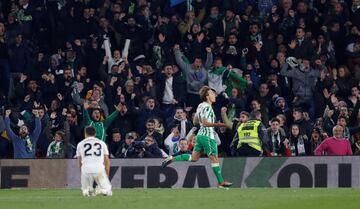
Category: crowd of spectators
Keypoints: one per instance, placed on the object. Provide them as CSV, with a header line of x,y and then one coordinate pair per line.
x,y
133,69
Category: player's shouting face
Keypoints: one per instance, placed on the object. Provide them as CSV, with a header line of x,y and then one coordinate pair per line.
x,y
211,96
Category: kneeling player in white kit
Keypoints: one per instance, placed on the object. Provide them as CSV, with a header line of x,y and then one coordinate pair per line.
x,y
93,158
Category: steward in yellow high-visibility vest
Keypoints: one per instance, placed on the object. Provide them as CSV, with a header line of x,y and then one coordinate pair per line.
x,y
252,137
248,134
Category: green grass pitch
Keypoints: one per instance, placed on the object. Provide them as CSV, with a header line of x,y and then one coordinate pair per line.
x,y
183,199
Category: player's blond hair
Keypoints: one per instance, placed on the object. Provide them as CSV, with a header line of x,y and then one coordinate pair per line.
x,y
204,92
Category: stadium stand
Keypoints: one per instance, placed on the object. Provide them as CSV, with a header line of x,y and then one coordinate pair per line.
x,y
133,68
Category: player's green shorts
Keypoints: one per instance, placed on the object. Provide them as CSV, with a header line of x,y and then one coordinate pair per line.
x,y
206,145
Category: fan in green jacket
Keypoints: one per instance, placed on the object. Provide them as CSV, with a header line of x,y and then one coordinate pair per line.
x,y
220,75
95,120
29,117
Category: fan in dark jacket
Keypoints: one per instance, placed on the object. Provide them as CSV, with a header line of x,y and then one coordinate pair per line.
x,y
151,148
179,120
278,143
301,47
149,111
170,89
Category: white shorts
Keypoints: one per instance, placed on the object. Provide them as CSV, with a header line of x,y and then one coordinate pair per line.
x,y
101,179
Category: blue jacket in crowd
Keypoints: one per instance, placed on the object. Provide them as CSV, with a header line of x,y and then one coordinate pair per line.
x,y
19,144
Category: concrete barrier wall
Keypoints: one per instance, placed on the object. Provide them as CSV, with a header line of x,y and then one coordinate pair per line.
x,y
147,173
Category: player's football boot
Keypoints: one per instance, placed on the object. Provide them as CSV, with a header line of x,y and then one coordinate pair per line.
x,y
167,161
225,184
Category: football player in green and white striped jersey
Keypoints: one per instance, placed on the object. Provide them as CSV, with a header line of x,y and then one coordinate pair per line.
x,y
205,111
205,138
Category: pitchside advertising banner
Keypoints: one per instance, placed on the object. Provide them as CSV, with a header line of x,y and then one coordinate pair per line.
x,y
147,173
